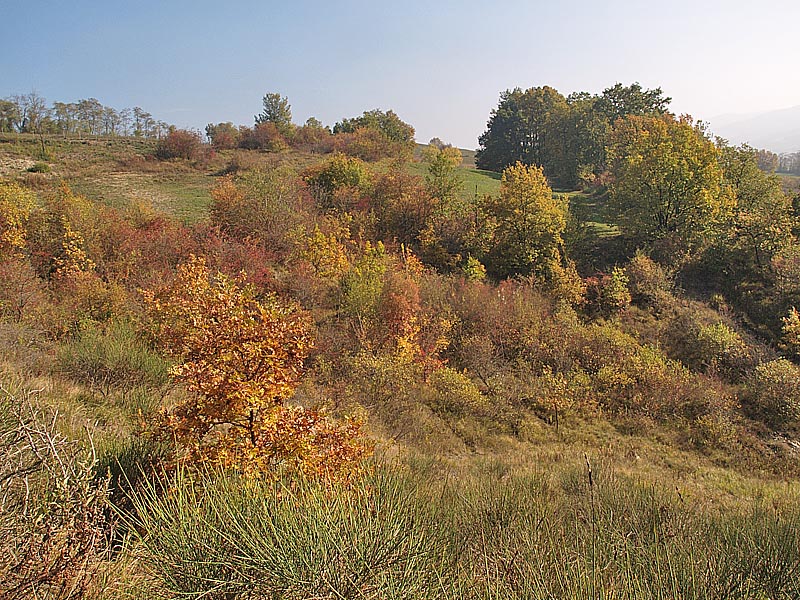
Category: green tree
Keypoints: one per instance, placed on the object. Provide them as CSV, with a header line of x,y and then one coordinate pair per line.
x,y
566,136
520,129
529,224
387,123
620,101
339,171
762,220
667,182
222,135
9,116
278,111
442,179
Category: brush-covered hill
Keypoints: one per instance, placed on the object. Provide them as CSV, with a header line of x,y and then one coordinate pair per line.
x,y
297,374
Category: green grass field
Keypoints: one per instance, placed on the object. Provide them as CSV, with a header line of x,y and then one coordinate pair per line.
x,y
184,196
475,182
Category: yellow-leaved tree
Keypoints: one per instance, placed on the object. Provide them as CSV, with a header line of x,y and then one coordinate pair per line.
x,y
241,358
16,203
529,224
667,183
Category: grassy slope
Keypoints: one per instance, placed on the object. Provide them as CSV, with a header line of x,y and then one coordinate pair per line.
x,y
116,172
475,182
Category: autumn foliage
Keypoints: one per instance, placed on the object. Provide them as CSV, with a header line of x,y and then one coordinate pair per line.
x,y
241,358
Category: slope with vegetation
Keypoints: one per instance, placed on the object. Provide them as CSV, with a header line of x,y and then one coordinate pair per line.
x,y
296,363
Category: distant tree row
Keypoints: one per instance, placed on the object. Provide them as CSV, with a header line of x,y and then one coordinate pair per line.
x,y
30,113
373,135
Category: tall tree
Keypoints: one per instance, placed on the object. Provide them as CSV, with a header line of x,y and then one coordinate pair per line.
x,y
9,116
91,114
566,136
33,111
762,220
520,129
667,181
619,101
66,117
529,223
277,111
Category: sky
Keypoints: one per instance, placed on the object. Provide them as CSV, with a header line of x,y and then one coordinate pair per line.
x,y
440,65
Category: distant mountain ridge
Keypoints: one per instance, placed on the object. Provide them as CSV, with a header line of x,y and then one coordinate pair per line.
x,y
776,130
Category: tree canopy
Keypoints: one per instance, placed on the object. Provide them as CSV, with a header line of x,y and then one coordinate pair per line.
x,y
519,128
666,181
529,223
565,136
277,111
387,123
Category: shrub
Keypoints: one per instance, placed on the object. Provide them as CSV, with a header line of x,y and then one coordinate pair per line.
x,y
402,206
16,204
774,390
112,358
180,143
83,299
647,281
39,167
223,136
456,394
313,137
473,270
791,332
21,291
263,205
370,145
564,283
338,172
241,358
720,349
362,288
54,527
608,295
324,252
264,136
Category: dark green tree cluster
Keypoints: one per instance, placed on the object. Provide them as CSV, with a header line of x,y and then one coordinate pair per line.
x,y
566,136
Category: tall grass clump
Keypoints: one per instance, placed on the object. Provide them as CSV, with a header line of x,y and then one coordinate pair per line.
x,y
472,536
225,536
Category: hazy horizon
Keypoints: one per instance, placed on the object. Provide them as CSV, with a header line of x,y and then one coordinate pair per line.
x,y
439,67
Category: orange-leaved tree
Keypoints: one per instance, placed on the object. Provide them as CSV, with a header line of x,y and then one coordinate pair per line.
x,y
241,358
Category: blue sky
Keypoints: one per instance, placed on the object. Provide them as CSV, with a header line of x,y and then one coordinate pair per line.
x,y
440,65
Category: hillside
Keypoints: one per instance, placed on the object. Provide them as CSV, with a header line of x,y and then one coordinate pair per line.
x,y
777,130
298,374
